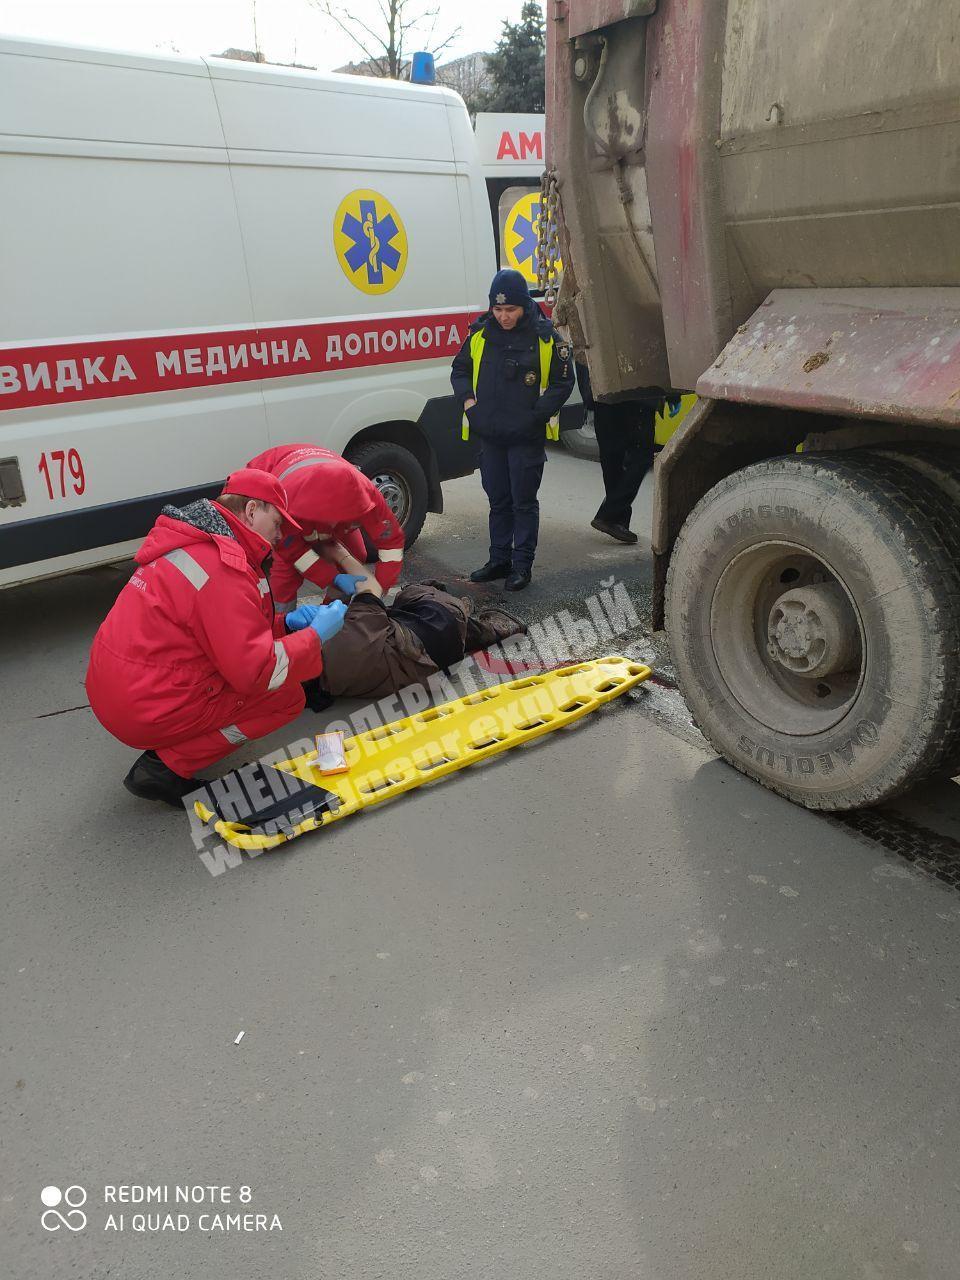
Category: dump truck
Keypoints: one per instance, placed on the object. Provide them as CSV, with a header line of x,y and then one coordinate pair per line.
x,y
759,201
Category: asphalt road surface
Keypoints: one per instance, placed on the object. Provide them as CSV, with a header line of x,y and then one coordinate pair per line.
x,y
603,1009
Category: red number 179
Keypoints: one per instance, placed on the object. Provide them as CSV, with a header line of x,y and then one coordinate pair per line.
x,y
68,462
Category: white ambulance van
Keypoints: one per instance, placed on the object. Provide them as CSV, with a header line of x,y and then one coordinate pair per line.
x,y
204,258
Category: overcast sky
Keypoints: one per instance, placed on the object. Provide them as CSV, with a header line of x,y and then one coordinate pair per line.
x,y
288,29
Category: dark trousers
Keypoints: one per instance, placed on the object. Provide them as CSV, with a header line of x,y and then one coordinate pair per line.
x,y
511,475
625,439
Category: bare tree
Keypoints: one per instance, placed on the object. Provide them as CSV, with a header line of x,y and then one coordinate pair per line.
x,y
469,77
383,39
256,37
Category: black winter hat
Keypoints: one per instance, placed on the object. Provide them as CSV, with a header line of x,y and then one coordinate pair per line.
x,y
509,289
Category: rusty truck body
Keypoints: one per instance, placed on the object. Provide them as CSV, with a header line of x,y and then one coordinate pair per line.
x,y
760,201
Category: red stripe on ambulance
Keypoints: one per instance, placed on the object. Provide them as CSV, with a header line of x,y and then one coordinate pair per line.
x,y
94,369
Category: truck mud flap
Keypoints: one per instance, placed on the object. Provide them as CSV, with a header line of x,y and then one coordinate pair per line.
x,y
887,353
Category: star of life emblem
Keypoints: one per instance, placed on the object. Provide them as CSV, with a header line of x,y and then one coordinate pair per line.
x,y
370,241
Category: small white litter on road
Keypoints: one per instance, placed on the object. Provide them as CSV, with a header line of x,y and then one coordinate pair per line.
x,y
239,1037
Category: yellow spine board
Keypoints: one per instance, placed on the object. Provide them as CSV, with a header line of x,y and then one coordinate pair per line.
x,y
386,762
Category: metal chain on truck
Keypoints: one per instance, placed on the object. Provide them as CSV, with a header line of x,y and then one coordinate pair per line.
x,y
549,267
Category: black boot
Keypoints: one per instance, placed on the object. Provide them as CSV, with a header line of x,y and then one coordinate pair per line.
x,y
489,572
491,626
517,580
150,779
612,530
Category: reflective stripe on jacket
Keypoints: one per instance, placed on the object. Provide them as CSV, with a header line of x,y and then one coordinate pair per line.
x,y
328,497
477,343
519,378
195,621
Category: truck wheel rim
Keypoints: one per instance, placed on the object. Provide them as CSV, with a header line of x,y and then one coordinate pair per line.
x,y
788,638
395,493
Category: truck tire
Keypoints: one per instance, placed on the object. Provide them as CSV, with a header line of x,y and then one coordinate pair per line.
x,y
813,609
942,466
398,475
582,442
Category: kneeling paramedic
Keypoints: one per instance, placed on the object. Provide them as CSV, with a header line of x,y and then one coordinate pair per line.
x,y
332,501
512,375
191,661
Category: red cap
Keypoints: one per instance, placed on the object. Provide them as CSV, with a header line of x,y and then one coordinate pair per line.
x,y
249,482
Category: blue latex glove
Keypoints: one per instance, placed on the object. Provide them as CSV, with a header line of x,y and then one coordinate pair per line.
x,y
328,619
297,619
347,582
673,405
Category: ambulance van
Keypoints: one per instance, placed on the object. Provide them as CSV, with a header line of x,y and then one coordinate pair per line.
x,y
203,258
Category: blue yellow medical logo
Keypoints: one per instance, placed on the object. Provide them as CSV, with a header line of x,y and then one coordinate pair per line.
x,y
520,233
370,241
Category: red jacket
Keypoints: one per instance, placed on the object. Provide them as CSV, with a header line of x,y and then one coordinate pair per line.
x,y
194,625
328,496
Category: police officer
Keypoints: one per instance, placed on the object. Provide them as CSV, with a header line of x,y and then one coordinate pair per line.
x,y
511,376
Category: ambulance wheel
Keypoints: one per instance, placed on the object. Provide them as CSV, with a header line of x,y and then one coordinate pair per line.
x,y
401,481
813,609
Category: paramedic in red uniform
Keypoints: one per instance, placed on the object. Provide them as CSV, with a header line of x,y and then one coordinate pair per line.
x,y
191,660
329,498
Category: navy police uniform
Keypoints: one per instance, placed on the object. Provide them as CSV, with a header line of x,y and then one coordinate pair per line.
x,y
520,378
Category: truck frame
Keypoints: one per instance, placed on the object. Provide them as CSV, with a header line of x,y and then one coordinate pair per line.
x,y
760,202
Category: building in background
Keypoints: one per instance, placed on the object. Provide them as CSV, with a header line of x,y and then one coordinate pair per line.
x,y
250,55
468,75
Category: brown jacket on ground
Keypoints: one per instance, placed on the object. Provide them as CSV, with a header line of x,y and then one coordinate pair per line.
x,y
375,655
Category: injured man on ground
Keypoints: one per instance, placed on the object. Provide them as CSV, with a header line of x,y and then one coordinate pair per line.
x,y
383,648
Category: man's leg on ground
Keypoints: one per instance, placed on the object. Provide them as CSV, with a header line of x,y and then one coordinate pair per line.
x,y
490,627
259,715
495,478
526,471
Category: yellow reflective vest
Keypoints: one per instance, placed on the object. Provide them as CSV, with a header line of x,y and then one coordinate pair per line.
x,y
477,343
665,425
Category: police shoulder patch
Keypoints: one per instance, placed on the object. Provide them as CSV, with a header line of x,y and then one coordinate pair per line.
x,y
563,351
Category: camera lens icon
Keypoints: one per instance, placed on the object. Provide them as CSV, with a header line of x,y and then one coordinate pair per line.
x,y
73,1197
